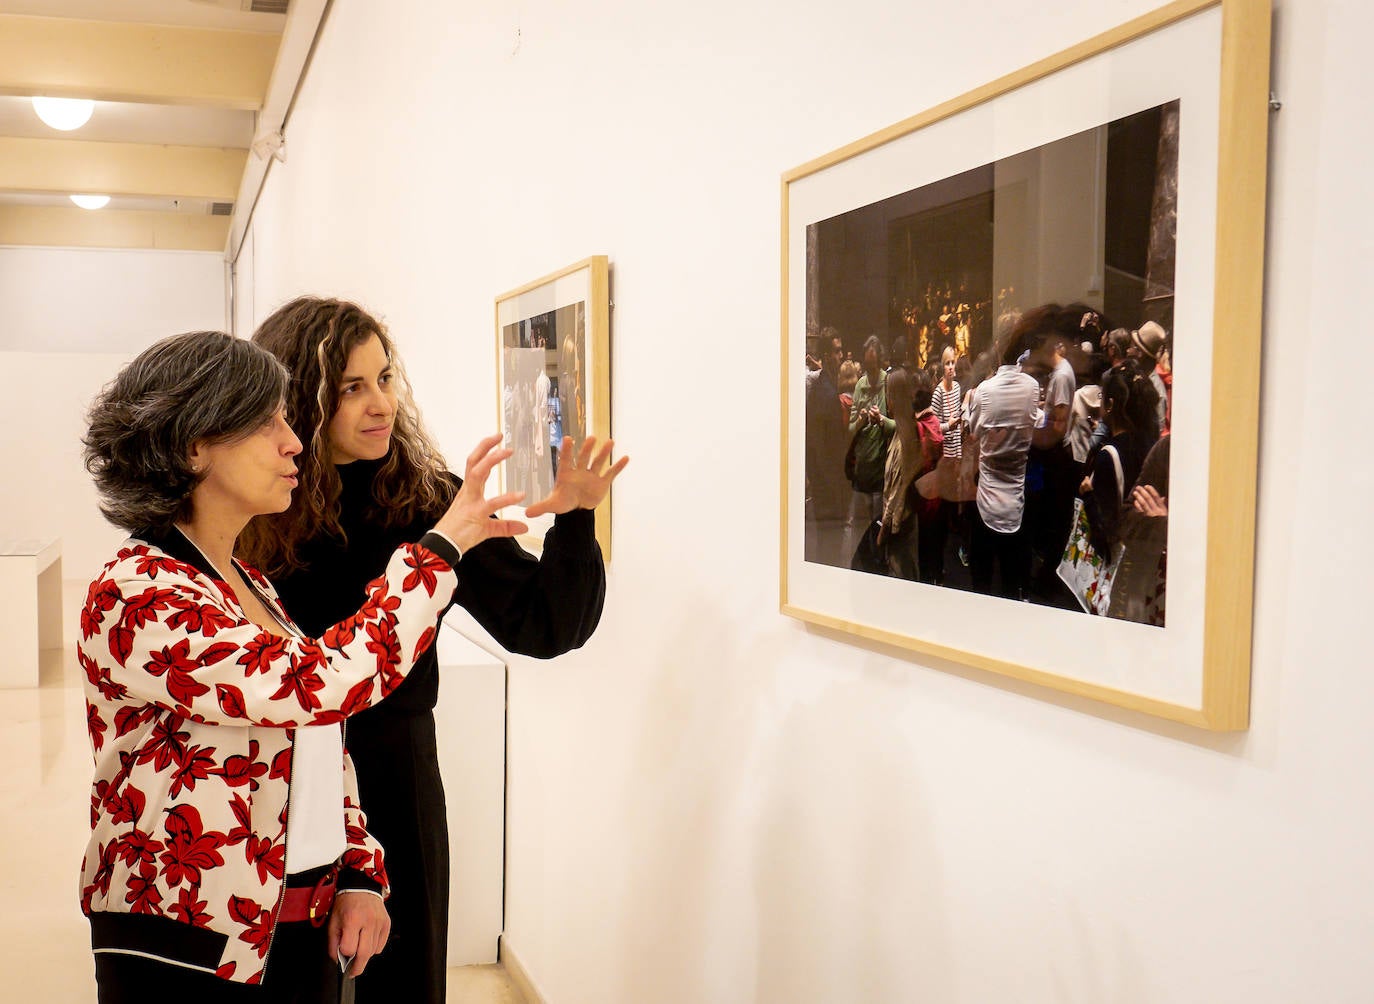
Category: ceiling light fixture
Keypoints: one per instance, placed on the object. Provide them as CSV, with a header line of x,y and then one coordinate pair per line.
x,y
65,114
91,201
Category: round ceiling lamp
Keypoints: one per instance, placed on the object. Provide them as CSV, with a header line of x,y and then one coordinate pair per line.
x,y
91,201
64,113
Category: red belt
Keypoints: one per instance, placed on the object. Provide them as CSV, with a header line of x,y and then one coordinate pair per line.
x,y
310,903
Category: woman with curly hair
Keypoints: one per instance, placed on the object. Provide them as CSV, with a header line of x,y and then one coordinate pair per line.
x,y
371,479
224,811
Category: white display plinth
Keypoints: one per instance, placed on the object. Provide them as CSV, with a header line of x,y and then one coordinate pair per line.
x,y
30,607
471,723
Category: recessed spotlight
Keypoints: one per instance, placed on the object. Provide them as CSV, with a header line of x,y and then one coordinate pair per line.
x,y
91,201
64,113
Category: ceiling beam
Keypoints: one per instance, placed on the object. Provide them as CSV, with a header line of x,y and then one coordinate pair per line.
x,y
73,165
116,61
55,226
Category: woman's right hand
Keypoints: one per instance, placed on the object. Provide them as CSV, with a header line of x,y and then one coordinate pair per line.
x,y
468,520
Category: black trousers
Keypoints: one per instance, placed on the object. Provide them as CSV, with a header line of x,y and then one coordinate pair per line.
x,y
396,757
1049,511
299,971
1011,552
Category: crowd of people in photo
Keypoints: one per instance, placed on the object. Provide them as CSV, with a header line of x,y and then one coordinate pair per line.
x,y
1035,469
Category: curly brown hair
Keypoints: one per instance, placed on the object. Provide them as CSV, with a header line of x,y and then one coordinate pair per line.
x,y
203,386
314,337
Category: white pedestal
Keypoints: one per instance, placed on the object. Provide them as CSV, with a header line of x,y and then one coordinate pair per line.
x,y
471,724
30,607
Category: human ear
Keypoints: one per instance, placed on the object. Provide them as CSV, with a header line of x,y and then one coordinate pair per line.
x,y
198,457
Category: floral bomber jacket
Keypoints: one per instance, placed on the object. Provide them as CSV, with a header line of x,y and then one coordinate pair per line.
x,y
191,710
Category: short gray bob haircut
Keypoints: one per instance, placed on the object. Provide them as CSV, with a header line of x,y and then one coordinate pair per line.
x,y
201,386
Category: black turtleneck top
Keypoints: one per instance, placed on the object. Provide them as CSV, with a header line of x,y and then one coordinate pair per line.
x,y
536,607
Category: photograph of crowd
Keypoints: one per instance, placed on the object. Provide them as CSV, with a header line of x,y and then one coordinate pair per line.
x,y
989,376
543,395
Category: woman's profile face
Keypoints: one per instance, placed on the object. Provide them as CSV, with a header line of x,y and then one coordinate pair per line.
x,y
249,477
360,428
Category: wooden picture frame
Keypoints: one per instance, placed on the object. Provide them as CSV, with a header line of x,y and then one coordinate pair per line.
x,y
553,376
950,186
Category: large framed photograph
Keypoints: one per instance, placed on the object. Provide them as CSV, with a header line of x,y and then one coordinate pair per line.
x,y
553,380
1021,345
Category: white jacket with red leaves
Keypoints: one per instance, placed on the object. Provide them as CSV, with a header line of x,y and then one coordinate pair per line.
x,y
191,710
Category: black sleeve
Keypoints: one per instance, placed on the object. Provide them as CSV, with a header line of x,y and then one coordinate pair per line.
x,y
1103,505
540,607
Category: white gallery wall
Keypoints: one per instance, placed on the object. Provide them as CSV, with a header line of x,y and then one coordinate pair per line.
x,y
69,319
711,802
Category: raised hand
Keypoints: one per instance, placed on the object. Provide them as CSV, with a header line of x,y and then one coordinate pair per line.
x,y
581,484
468,520
1147,500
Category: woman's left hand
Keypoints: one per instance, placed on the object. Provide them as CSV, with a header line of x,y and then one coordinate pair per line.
x,y
581,484
358,928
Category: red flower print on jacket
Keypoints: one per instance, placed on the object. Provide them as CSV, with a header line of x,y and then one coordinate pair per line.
x,y
189,848
426,640
130,718
383,643
359,697
139,848
101,598
190,910
269,857
175,661
138,611
244,817
200,618
302,680
125,806
239,770
260,654
258,921
281,766
197,765
99,677
98,793
166,745
143,895
149,564
96,726
108,854
426,567
341,635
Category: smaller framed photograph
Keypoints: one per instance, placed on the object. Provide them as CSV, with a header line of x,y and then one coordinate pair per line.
x,y
553,379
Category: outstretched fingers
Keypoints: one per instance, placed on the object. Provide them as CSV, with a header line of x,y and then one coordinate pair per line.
x,y
480,468
483,448
497,503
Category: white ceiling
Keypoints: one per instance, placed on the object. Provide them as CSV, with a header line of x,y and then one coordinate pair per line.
x,y
151,147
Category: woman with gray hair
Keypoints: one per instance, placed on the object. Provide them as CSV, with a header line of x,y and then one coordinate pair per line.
x,y
224,809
